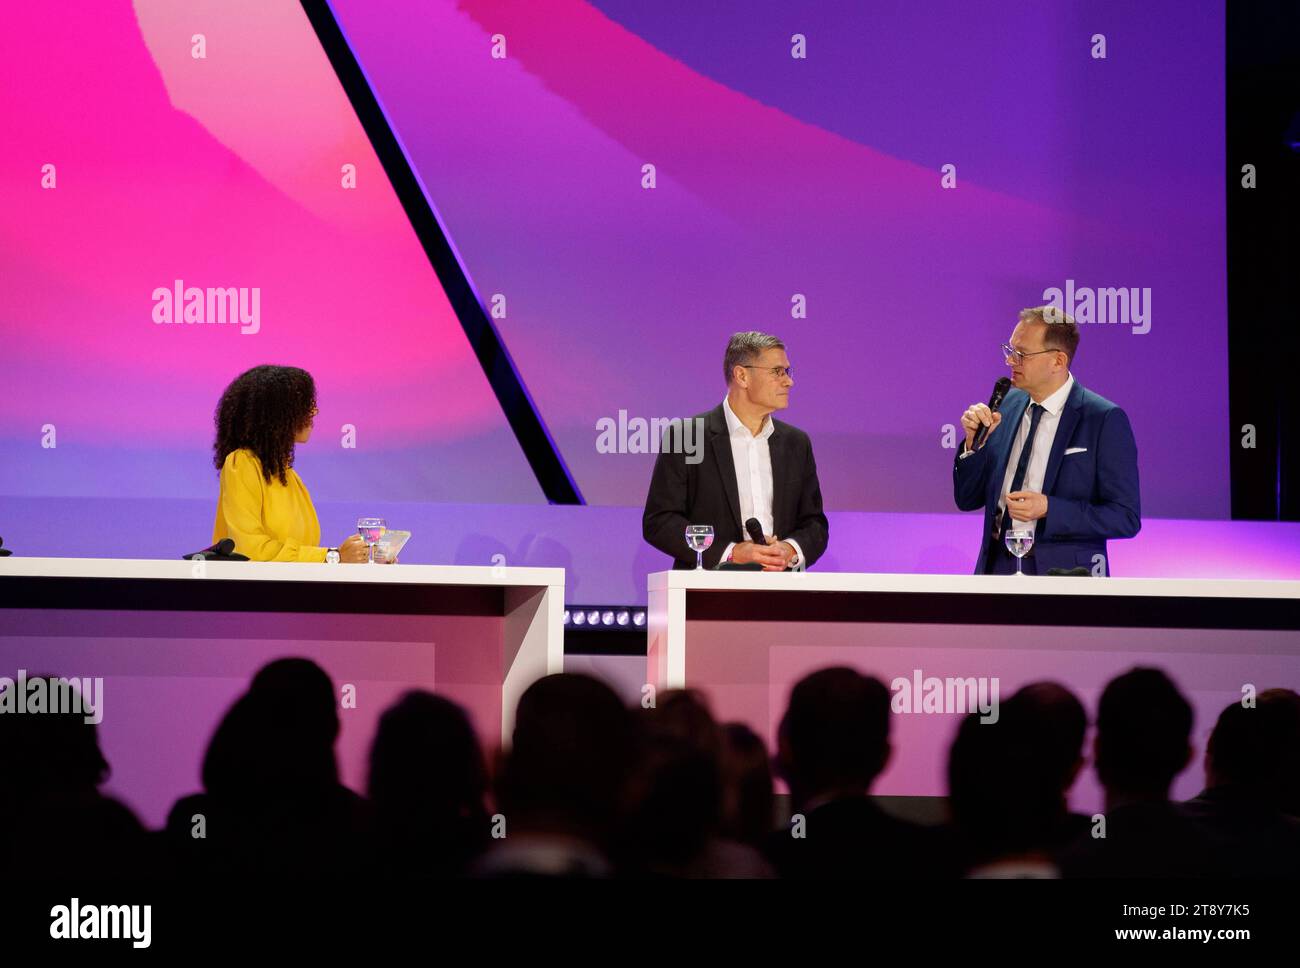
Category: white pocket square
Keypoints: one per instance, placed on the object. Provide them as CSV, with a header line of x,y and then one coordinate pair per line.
x,y
1075,450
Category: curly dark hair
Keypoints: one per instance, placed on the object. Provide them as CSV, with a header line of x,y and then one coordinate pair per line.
x,y
262,409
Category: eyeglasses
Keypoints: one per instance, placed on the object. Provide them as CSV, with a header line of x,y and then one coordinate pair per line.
x,y
1009,352
780,372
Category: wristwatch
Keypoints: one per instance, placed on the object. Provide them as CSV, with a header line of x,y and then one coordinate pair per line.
x,y
332,556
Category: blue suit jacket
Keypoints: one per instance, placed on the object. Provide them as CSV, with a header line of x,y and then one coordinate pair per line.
x,y
1092,494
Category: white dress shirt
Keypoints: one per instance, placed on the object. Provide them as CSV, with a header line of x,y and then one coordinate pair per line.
x,y
1036,469
753,459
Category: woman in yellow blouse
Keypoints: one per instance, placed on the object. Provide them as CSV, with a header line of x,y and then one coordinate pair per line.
x,y
263,504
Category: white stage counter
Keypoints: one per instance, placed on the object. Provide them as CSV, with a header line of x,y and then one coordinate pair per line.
x,y
177,641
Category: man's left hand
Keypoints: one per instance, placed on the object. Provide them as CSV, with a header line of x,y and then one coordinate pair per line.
x,y
784,549
1027,505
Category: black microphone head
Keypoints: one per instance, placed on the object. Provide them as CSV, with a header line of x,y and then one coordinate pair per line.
x,y
995,403
225,546
755,531
999,392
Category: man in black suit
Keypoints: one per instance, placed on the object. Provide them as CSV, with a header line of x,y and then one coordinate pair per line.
x,y
750,466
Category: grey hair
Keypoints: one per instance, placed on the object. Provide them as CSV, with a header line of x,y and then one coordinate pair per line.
x,y
744,348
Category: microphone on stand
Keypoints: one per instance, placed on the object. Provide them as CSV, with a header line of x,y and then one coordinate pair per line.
x,y
995,404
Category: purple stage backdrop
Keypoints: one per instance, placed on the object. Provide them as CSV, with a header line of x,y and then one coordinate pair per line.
x,y
799,158
785,182
209,146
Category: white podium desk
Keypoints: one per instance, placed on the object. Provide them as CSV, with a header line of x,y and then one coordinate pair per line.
x,y
744,638
177,641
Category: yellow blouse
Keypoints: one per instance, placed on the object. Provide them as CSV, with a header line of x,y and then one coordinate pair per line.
x,y
268,522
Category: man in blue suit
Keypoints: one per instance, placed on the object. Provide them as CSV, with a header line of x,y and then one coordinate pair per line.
x,y
1058,459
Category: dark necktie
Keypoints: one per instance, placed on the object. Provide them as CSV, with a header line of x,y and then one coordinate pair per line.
x,y
1018,479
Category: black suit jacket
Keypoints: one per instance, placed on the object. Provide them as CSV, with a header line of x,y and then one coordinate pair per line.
x,y
854,838
1148,840
706,492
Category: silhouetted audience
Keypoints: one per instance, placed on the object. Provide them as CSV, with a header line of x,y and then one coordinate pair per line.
x,y
272,799
589,788
1144,728
832,744
428,786
1252,766
1008,783
748,802
677,797
563,781
54,821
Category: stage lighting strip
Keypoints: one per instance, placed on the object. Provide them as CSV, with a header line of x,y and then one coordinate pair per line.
x,y
609,617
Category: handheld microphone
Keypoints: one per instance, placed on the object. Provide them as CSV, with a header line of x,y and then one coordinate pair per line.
x,y
995,403
755,531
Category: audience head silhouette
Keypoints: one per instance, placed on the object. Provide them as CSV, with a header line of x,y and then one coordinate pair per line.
x,y
1256,749
748,801
566,769
273,801
53,817
677,787
53,753
426,756
278,737
428,784
834,738
1008,778
1144,728
1059,724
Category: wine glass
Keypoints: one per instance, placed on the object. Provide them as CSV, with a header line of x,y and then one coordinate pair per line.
x,y
1019,541
698,539
372,529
